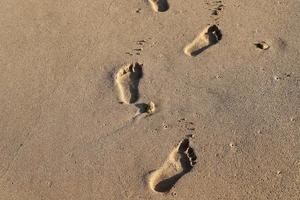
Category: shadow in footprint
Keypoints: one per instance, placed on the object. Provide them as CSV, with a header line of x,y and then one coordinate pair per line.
x,y
159,5
143,107
167,184
135,80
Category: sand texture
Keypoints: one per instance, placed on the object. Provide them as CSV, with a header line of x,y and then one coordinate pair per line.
x,y
149,100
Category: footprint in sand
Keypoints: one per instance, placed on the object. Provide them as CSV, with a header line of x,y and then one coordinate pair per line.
x,y
216,8
179,162
209,36
159,5
127,81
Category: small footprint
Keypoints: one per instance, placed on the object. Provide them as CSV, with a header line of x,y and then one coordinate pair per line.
x,y
159,5
138,50
208,37
127,81
179,162
216,8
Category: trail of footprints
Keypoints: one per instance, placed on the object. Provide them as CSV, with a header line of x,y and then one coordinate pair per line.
x,y
182,158
207,37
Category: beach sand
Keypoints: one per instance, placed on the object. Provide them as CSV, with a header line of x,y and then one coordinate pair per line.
x,y
137,99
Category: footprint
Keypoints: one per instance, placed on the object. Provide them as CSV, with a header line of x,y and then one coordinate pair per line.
x,y
209,36
179,162
159,5
127,81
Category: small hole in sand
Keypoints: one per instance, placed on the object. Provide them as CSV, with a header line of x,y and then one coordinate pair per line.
x,y
262,45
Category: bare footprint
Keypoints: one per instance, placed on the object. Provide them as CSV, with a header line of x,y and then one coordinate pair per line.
x,y
179,162
127,81
159,5
208,37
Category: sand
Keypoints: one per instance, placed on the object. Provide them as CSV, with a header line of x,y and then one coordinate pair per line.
x,y
143,99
